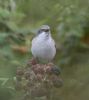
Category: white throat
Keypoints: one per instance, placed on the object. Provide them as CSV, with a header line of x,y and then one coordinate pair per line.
x,y
44,36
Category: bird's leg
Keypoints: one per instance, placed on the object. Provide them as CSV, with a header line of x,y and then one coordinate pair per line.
x,y
34,61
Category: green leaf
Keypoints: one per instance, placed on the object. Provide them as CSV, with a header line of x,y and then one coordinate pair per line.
x,y
4,81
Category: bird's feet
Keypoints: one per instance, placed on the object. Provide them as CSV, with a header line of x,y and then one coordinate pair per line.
x,y
32,61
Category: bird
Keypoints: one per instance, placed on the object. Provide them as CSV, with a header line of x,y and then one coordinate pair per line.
x,y
43,45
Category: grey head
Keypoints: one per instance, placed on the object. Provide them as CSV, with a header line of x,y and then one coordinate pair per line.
x,y
44,28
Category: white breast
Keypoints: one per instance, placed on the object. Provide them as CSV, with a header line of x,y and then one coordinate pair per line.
x,y
43,48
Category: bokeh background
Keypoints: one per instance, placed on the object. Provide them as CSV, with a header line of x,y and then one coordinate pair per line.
x,y
69,22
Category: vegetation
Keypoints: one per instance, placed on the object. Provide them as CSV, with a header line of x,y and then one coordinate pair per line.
x,y
69,22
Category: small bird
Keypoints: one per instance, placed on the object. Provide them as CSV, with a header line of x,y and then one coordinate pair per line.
x,y
43,46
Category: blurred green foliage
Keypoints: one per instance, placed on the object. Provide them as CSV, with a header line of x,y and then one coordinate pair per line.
x,y
69,21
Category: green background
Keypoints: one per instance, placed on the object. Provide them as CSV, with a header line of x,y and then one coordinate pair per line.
x,y
69,22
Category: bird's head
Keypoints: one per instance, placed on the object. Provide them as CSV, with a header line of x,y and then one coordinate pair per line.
x,y
45,29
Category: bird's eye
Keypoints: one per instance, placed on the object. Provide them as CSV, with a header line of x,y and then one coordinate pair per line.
x,y
45,30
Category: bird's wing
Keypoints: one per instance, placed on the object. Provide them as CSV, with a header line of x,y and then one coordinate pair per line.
x,y
54,43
